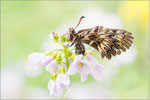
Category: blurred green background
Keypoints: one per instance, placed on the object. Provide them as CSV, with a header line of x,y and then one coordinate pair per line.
x,y
25,25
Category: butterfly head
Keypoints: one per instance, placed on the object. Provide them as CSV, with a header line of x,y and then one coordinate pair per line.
x,y
71,33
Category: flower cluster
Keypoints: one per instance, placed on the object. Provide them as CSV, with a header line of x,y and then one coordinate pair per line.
x,y
62,63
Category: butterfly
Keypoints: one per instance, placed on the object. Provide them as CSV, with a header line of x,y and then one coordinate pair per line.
x,y
108,42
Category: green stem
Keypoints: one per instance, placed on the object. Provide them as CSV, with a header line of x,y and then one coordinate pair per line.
x,y
65,54
55,68
61,44
67,60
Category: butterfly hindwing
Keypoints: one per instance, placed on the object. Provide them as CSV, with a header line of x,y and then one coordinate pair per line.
x,y
79,48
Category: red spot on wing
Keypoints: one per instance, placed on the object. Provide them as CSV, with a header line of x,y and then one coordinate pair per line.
x,y
107,36
105,48
96,29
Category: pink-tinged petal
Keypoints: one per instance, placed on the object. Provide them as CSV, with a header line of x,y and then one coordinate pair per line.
x,y
85,68
35,58
51,65
74,66
54,90
97,72
68,92
77,59
46,60
84,77
57,67
63,80
59,92
91,59
51,86
72,69
39,59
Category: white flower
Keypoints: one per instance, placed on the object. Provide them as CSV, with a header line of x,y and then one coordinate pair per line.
x,y
63,80
51,65
81,66
39,59
54,89
58,83
96,68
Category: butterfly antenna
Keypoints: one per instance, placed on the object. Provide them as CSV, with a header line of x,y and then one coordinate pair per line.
x,y
79,21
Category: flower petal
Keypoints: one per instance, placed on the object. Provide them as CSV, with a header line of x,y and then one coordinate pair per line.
x,y
50,67
85,69
72,69
58,92
84,77
68,92
46,60
35,58
91,59
97,72
77,59
54,89
51,86
63,80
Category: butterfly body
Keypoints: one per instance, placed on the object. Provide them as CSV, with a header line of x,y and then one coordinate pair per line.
x,y
108,42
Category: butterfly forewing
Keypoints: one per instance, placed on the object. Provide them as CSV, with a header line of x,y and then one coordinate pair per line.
x,y
106,41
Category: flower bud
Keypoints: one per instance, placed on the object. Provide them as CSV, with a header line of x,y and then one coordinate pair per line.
x,y
67,36
54,76
61,70
47,53
69,54
58,59
66,44
54,54
54,36
73,56
63,39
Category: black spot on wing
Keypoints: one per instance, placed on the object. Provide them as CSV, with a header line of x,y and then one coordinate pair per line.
x,y
86,41
94,45
92,37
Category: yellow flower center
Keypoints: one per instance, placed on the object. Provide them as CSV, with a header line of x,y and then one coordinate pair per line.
x,y
90,53
80,64
92,66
